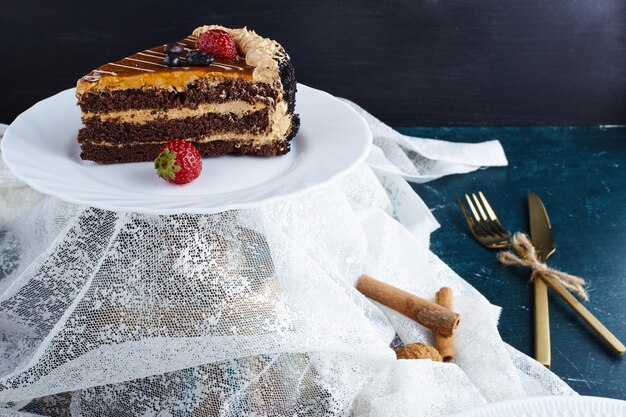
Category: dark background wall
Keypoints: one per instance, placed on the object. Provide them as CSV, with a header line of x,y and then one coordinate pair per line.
x,y
410,62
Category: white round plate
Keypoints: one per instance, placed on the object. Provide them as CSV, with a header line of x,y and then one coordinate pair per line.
x,y
40,148
551,407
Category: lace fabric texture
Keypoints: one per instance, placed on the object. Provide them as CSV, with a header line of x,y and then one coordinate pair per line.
x,y
241,313
421,160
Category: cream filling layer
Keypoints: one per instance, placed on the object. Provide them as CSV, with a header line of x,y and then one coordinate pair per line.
x,y
142,116
247,138
280,125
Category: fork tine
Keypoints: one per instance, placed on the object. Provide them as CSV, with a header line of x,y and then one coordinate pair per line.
x,y
467,216
480,207
492,214
485,227
471,206
495,223
501,228
474,223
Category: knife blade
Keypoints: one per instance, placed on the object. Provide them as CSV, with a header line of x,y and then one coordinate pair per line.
x,y
541,238
540,228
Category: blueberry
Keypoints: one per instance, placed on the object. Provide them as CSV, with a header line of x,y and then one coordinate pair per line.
x,y
199,58
172,60
173,49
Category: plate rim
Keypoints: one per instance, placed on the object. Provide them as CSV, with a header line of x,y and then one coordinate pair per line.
x,y
197,210
505,405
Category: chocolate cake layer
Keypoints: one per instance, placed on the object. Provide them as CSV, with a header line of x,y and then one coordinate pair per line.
x,y
201,91
295,126
148,151
159,129
288,79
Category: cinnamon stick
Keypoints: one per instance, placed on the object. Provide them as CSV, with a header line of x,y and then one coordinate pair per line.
x,y
426,313
445,344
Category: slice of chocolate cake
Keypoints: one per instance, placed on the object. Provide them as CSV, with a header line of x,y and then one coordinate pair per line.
x,y
243,105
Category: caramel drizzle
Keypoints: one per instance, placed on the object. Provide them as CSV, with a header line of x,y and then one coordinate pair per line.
x,y
127,66
147,62
149,51
96,75
183,42
188,44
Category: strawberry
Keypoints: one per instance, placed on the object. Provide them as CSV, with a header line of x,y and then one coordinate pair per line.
x,y
217,43
178,162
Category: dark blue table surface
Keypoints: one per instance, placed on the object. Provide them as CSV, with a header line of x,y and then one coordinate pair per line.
x,y
580,174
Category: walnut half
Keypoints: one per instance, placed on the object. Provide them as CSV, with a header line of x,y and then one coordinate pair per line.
x,y
418,351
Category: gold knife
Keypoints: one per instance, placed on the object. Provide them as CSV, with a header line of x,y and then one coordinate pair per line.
x,y
541,238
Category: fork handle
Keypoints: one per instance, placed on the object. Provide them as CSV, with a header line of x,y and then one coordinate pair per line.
x,y
586,315
542,324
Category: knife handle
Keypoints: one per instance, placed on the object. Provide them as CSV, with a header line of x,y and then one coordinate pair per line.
x,y
586,315
542,324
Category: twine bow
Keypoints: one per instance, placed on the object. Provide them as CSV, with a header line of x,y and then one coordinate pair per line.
x,y
528,258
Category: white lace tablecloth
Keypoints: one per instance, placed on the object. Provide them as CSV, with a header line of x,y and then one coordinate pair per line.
x,y
247,312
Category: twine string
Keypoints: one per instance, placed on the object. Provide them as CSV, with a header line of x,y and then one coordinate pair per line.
x,y
527,256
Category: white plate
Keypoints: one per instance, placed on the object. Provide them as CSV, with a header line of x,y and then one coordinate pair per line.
x,y
551,407
40,148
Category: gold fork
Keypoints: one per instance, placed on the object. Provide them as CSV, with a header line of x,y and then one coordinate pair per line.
x,y
488,230
484,223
